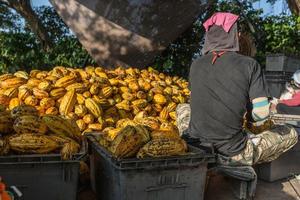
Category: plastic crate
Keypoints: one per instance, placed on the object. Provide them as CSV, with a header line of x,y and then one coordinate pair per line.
x,y
42,177
281,62
176,178
288,164
276,82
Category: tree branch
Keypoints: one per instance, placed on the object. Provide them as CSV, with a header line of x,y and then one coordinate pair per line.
x,y
294,6
23,7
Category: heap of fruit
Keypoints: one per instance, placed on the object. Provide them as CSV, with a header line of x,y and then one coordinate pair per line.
x,y
142,137
23,131
105,101
95,98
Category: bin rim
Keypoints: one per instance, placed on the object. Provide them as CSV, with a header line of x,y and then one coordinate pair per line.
x,y
44,158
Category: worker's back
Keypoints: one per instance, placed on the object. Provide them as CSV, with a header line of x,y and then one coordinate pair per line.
x,y
220,93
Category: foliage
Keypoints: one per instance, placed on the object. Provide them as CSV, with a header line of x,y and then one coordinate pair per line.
x,y
20,49
283,34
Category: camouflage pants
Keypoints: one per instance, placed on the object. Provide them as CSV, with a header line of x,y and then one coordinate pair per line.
x,y
264,147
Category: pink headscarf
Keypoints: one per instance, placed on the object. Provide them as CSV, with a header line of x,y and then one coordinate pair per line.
x,y
225,20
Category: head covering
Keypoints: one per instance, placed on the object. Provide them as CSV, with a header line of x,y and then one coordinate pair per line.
x,y
221,33
296,77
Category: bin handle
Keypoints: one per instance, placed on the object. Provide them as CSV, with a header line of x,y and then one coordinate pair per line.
x,y
162,187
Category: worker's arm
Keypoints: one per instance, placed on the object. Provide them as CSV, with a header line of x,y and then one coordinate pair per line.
x,y
261,108
294,101
258,94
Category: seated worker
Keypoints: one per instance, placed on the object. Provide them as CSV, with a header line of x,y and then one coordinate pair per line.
x,y
289,102
222,83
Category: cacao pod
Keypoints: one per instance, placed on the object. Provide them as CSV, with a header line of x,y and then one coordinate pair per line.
x,y
93,107
67,103
23,110
62,127
163,148
32,143
29,124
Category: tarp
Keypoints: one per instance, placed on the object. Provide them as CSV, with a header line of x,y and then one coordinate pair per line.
x,y
127,32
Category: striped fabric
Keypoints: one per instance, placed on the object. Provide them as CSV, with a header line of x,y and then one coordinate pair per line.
x,y
260,109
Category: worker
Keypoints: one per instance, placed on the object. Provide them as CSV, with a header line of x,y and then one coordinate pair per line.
x,y
223,82
3,193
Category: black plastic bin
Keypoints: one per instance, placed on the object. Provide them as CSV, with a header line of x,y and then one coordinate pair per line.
x,y
173,178
276,82
42,177
288,164
281,62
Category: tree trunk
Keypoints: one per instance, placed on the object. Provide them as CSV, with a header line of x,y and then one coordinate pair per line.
x,y
294,6
23,7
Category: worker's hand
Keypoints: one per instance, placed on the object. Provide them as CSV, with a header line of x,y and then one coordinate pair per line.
x,y
273,108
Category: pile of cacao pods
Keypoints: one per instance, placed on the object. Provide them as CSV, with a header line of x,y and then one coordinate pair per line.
x,y
142,137
95,97
103,100
23,131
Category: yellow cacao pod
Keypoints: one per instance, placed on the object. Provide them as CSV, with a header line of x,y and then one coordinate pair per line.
x,y
133,86
47,103
164,114
12,82
67,103
33,73
11,92
87,94
106,92
172,115
128,96
57,93
23,93
96,127
80,110
40,94
88,119
80,99
72,116
94,89
14,102
78,87
123,105
22,74
150,122
171,106
93,107
140,103
31,101
45,86
4,77
33,82
124,89
81,124
41,75
65,81
51,111
114,81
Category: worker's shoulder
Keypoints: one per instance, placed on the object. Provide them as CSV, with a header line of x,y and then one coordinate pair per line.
x,y
244,59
